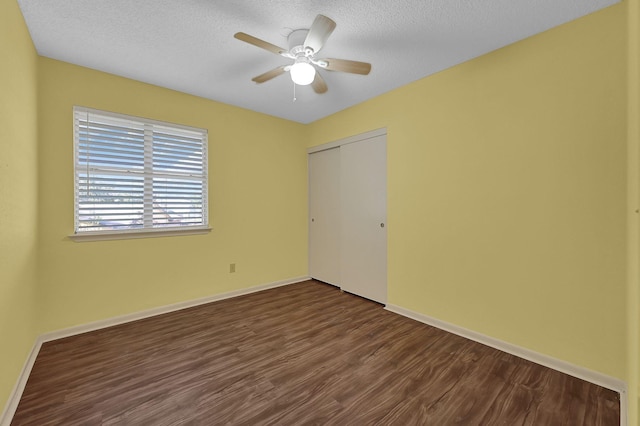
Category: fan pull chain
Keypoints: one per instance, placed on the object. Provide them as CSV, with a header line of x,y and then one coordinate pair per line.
x,y
294,92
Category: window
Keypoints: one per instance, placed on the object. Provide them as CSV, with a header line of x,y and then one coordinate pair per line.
x,y
136,177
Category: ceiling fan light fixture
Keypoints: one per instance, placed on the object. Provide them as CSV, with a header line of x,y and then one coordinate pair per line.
x,y
302,73
303,46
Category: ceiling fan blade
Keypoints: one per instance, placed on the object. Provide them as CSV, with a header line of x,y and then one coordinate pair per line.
x,y
344,65
319,32
270,74
318,84
260,43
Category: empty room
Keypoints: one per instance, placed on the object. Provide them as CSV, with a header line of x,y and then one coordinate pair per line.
x,y
367,212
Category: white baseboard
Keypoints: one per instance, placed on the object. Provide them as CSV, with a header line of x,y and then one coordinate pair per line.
x,y
14,398
595,377
16,394
122,319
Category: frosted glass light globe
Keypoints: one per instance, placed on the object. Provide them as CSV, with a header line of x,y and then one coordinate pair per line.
x,y
302,73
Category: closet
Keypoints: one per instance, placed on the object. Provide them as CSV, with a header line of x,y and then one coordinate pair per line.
x,y
347,214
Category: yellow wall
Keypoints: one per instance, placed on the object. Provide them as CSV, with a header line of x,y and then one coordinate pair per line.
x,y
257,206
633,161
507,191
18,195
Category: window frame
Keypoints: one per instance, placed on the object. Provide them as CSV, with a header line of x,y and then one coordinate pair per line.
x,y
142,232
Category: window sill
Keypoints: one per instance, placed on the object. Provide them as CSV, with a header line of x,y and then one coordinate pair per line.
x,y
106,236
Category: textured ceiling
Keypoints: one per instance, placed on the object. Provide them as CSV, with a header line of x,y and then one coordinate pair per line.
x,y
188,45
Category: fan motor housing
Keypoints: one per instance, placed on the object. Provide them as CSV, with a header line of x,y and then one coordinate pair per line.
x,y
296,42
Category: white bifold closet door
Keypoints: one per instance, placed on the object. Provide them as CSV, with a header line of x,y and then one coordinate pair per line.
x,y
348,205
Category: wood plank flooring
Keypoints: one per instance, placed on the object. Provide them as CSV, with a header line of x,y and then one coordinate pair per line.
x,y
300,354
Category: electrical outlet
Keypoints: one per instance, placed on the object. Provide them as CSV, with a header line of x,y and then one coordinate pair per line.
x,y
232,267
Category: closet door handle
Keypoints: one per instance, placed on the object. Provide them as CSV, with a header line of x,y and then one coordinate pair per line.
x,y
382,225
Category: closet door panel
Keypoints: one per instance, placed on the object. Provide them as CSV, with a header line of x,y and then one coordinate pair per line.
x,y
363,200
324,216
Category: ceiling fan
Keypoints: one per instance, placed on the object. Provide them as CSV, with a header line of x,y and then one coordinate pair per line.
x,y
303,46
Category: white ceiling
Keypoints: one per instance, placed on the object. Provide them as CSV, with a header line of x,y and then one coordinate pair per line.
x,y
188,45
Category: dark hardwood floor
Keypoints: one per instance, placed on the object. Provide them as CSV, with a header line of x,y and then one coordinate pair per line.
x,y
300,354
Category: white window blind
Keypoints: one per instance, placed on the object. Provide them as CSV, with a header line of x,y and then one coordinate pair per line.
x,y
134,174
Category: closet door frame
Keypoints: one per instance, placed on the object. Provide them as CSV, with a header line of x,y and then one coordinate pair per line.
x,y
336,144
351,139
